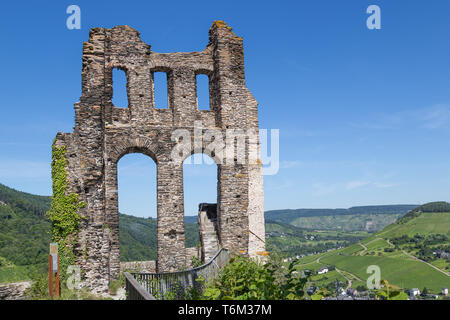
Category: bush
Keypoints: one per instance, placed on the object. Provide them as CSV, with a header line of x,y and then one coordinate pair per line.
x,y
114,286
246,279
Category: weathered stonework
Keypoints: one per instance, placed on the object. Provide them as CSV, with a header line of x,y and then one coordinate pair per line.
x,y
139,266
208,230
104,133
190,253
14,291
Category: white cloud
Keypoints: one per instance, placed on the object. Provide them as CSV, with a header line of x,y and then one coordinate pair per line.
x,y
382,185
356,184
436,117
433,117
290,164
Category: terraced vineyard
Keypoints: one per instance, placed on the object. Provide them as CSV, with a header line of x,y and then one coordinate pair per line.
x,y
402,250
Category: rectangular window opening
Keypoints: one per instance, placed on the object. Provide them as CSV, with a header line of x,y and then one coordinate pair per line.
x,y
161,90
119,82
203,102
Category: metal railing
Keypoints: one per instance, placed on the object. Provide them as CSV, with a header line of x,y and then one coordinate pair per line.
x,y
134,290
177,284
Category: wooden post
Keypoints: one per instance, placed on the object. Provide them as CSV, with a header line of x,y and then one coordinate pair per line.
x,y
50,275
57,286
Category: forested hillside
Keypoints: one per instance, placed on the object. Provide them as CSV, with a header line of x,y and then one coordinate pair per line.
x,y
138,237
365,218
288,215
23,229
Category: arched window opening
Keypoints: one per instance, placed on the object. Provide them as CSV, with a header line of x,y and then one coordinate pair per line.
x,y
137,208
200,187
120,94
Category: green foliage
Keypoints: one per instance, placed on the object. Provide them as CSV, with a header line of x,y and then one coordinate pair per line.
x,y
419,236
438,206
39,287
316,296
290,240
388,293
39,291
23,238
138,237
115,285
196,262
246,279
361,288
23,202
63,213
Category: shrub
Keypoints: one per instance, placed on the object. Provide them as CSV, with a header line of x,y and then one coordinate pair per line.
x,y
246,279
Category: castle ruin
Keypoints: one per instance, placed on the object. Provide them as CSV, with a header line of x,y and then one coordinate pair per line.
x,y
104,133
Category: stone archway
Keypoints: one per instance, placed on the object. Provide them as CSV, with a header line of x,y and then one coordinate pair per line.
x,y
104,133
112,199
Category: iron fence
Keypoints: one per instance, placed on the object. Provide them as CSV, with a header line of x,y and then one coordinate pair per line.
x,y
134,290
177,284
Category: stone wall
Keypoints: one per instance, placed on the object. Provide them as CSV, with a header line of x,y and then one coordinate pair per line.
x,y
104,133
14,291
190,253
139,266
208,230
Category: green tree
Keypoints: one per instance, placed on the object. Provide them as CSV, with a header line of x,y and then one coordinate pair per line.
x,y
246,279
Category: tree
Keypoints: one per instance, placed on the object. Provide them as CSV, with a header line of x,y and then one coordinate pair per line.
x,y
424,291
246,279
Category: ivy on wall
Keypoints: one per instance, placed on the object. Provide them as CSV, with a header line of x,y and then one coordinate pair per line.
x,y
63,213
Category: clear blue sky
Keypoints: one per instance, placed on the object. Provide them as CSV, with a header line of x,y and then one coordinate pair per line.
x,y
364,115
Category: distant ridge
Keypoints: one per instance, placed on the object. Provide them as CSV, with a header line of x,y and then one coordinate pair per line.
x,y
438,206
288,215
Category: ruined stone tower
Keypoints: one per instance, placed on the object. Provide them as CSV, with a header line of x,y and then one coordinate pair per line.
x,y
104,133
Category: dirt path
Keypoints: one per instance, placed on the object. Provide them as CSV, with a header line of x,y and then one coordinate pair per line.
x,y
417,259
364,248
349,281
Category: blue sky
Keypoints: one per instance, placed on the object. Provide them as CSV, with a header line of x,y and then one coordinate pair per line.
x,y
364,115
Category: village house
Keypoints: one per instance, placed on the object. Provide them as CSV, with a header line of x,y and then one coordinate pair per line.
x,y
414,292
322,270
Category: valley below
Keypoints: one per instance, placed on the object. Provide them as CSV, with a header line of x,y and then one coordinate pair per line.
x,y
408,243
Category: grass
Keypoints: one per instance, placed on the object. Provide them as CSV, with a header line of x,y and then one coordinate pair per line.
x,y
425,224
322,280
13,273
353,249
377,245
396,267
404,273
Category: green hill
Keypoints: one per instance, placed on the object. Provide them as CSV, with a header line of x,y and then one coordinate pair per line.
x,y
138,237
23,229
404,251
24,240
363,218
24,235
291,241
